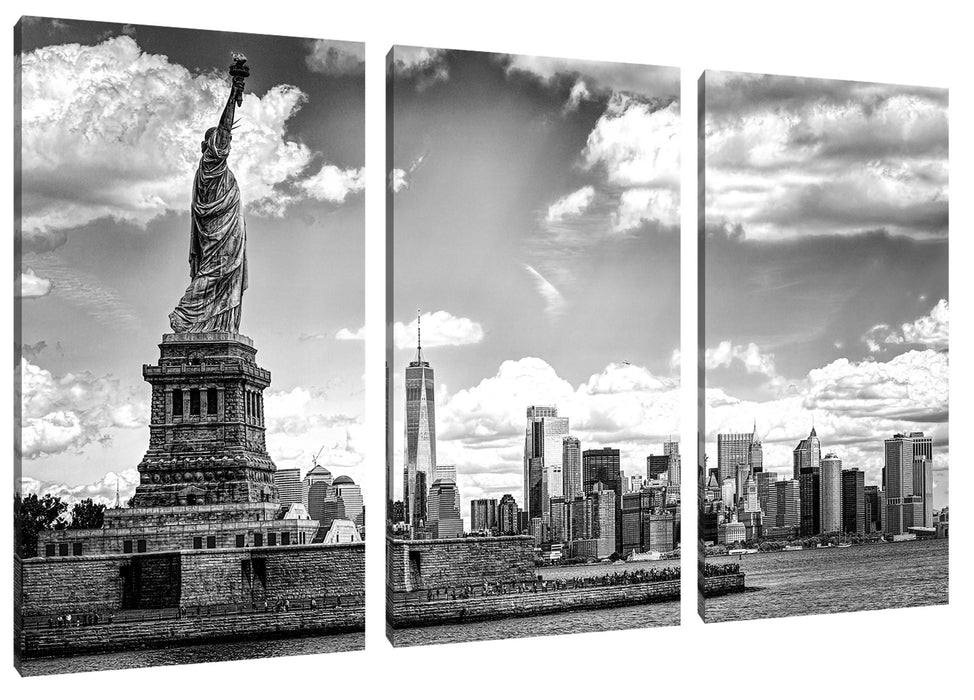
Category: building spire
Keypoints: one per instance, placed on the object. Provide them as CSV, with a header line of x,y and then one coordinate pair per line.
x,y
419,338
118,503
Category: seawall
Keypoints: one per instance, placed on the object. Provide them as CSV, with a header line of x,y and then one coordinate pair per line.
x,y
713,586
401,614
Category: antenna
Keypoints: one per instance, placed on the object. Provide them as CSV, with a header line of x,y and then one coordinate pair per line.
x,y
419,337
117,501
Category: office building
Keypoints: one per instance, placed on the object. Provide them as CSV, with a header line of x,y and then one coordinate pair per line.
x,y
483,515
853,501
420,438
350,494
831,493
571,465
603,466
898,454
875,501
671,448
544,439
508,516
444,519
807,454
288,482
810,490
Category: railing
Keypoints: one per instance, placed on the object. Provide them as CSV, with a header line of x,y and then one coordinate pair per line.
x,y
89,618
440,593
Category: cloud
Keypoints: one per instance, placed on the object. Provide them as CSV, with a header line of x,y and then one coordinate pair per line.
x,y
112,131
571,204
423,66
348,334
749,356
66,413
100,491
439,329
333,184
553,300
578,94
644,80
637,143
790,157
28,285
336,58
932,330
398,177
300,422
641,205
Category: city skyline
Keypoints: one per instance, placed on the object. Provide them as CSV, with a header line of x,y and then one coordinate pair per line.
x,y
825,285
536,188
92,246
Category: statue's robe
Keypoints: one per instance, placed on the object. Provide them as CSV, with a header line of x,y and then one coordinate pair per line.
x,y
218,240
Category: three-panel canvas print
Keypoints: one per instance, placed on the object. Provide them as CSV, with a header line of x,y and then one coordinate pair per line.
x,y
192,473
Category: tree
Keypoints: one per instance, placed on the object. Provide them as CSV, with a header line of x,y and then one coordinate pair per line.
x,y
87,515
32,515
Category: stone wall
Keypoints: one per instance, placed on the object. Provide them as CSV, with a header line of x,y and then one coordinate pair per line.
x,y
418,564
160,633
205,577
720,585
439,612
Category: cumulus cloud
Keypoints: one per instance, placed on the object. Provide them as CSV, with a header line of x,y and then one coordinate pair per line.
x,y
66,413
423,66
439,329
640,205
348,334
28,285
931,330
571,204
749,356
578,94
399,177
647,81
300,422
554,302
336,58
333,184
112,131
791,156
100,491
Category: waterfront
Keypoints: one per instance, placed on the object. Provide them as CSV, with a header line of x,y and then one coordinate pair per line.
x,y
195,653
834,580
630,617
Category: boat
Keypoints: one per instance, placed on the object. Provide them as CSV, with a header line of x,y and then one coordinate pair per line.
x,y
791,548
651,555
742,551
843,545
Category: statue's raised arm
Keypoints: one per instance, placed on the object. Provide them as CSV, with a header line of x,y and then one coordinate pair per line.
x,y
218,233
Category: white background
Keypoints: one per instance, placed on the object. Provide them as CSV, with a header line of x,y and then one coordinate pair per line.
x,y
910,652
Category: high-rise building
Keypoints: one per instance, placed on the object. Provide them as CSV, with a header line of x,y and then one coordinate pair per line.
x,y
444,517
810,490
735,450
560,519
635,483
483,515
288,482
544,439
671,448
580,518
875,499
727,491
571,465
808,453
317,475
898,452
604,466
750,498
508,516
831,493
766,482
923,487
420,441
755,452
784,507
657,466
351,495
604,509
853,500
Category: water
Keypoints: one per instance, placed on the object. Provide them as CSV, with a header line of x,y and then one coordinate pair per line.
x,y
650,615
819,581
196,653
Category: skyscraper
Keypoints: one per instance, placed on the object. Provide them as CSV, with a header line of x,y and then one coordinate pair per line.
x,y
483,515
853,501
875,509
351,495
420,445
831,493
808,453
766,481
923,474
898,452
604,466
508,515
543,441
571,458
784,507
810,490
735,450
318,475
288,483
604,518
444,517
671,448
657,466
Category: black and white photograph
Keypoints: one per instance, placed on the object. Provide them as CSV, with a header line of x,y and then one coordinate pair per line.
x,y
533,346
189,304
824,346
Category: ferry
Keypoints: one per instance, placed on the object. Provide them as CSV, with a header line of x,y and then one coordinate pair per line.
x,y
651,555
742,551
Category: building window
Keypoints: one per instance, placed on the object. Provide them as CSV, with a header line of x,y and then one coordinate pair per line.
x,y
271,539
140,545
177,402
194,402
211,402
49,550
258,539
127,546
62,549
77,549
259,402
197,543
210,542
285,538
241,541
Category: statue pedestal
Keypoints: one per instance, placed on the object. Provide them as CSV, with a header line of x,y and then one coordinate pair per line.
x,y
206,431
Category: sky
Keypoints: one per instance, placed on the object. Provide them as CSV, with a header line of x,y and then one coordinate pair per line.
x,y
825,253
112,120
536,229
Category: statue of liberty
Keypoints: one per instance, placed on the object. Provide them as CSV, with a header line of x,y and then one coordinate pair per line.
x,y
218,233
